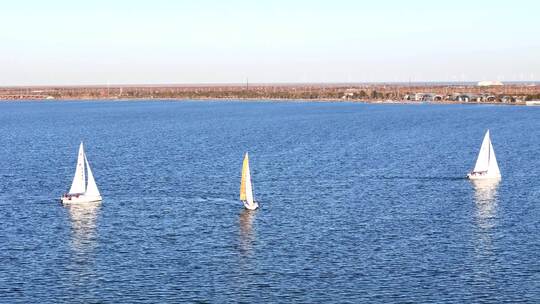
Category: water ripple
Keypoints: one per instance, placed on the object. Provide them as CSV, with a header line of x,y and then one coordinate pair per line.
x,y
359,203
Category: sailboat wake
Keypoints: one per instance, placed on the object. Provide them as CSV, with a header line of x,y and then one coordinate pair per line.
x,y
446,178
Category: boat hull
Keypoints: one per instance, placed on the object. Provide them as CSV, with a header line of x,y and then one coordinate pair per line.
x,y
473,176
251,207
80,199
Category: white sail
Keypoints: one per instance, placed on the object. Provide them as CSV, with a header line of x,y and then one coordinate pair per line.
x,y
249,187
482,163
78,185
486,165
91,188
493,167
82,191
246,188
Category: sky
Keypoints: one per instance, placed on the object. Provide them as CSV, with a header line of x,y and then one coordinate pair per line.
x,y
61,42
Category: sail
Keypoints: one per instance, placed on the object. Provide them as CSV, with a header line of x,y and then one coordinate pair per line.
x,y
482,163
245,168
246,189
78,185
91,188
249,187
493,167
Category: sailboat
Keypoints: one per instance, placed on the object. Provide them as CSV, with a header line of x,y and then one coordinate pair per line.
x,y
82,191
486,165
246,189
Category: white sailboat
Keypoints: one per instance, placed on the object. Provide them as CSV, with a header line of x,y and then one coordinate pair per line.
x,y
486,166
246,189
84,188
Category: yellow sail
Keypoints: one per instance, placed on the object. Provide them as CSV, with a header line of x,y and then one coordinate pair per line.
x,y
245,167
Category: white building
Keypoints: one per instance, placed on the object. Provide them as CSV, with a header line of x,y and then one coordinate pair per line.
x,y
488,83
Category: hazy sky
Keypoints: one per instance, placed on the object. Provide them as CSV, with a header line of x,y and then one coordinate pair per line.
x,y
205,41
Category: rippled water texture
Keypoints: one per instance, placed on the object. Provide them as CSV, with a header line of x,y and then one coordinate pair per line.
x,y
360,203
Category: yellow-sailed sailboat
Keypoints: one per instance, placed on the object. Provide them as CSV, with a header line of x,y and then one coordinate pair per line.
x,y
246,189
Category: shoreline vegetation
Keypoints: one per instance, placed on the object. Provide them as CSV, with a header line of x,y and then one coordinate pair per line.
x,y
449,93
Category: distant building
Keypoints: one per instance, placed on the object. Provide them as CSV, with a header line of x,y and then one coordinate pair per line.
x,y
409,97
491,98
423,97
348,95
489,83
463,98
508,99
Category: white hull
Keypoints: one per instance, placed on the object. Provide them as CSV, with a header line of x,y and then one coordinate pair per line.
x,y
251,207
473,176
80,199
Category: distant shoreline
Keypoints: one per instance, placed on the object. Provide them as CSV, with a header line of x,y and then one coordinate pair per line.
x,y
365,93
224,100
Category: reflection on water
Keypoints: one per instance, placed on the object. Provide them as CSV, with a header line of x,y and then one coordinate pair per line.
x,y
171,229
485,196
82,271
247,235
83,226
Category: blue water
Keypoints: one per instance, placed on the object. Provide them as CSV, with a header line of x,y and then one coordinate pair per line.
x,y
360,203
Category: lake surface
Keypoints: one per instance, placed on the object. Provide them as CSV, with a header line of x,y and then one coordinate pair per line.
x,y
359,203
